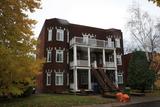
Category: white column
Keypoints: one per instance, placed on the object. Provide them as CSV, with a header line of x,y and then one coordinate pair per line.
x,y
75,55
115,62
75,80
89,57
89,79
104,59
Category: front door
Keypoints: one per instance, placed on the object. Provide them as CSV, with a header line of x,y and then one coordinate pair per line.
x,y
83,79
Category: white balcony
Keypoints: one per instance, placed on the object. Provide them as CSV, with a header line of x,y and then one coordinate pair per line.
x,y
91,42
110,64
80,63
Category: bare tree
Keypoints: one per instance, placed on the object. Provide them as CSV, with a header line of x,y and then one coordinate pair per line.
x,y
144,30
157,2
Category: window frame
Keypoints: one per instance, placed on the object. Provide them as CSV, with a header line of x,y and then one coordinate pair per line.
x,y
119,60
59,52
49,56
48,78
120,75
58,76
109,42
85,39
49,34
60,35
117,43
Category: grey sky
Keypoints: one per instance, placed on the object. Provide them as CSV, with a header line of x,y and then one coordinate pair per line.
x,y
97,13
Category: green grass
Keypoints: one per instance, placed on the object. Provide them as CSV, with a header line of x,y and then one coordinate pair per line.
x,y
54,100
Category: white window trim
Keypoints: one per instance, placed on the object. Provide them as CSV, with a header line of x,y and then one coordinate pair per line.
x,y
117,43
59,52
61,36
49,55
121,76
48,74
50,35
120,60
57,75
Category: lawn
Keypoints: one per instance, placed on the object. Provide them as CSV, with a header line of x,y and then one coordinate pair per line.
x,y
54,100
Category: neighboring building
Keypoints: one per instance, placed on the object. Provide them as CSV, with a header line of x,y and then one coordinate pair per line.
x,y
78,57
126,58
155,65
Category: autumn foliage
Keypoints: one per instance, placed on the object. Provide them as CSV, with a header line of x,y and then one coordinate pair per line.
x,y
157,2
18,65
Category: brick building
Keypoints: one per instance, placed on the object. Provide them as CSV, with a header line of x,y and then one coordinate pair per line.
x,y
78,57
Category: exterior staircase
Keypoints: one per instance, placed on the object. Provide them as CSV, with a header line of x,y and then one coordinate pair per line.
x,y
103,80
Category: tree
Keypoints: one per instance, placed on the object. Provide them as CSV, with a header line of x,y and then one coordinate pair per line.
x,y
139,74
157,2
144,30
18,66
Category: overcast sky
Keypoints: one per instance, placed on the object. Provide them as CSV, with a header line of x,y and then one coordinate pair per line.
x,y
97,13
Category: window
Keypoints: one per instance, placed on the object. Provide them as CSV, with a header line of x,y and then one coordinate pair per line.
x,y
50,35
117,42
111,58
85,39
48,78
109,42
59,78
60,35
92,41
49,55
59,56
119,60
120,78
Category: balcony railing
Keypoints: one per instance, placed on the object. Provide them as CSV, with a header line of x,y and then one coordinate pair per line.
x,y
91,42
110,64
84,63
80,63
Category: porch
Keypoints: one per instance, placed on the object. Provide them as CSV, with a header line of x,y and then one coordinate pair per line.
x,y
91,57
83,79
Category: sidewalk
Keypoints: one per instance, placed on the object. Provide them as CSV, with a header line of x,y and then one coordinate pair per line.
x,y
134,100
